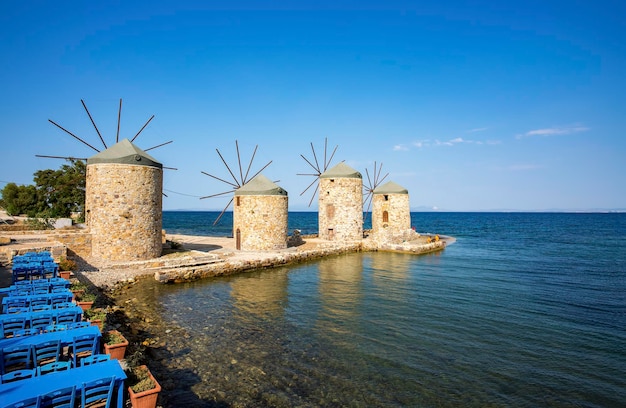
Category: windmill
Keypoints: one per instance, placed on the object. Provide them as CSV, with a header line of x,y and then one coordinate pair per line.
x,y
123,196
117,137
238,180
372,183
317,168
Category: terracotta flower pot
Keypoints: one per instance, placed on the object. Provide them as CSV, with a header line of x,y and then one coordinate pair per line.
x,y
148,398
96,322
84,305
65,274
116,350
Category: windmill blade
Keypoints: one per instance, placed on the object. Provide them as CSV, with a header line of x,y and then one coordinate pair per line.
x,y
216,195
314,193
313,182
60,157
72,134
170,168
383,179
331,158
368,200
264,167
223,211
310,164
369,182
119,119
93,123
228,168
239,162
315,156
154,147
141,130
223,181
245,179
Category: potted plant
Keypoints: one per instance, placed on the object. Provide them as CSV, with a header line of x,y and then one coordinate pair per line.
x,y
114,344
143,388
77,288
85,300
66,266
97,316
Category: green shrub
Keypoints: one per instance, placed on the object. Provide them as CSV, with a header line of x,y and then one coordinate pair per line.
x,y
66,264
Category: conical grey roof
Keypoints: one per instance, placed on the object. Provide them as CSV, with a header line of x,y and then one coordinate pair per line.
x,y
390,188
341,170
260,185
124,152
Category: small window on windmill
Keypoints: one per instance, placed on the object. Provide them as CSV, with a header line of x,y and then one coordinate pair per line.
x,y
385,216
332,180
238,201
386,197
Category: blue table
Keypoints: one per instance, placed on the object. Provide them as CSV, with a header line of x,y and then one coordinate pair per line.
x,y
18,390
66,337
49,283
78,311
66,295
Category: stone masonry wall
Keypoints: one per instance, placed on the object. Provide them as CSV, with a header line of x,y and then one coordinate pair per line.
x,y
124,211
261,221
77,243
341,209
398,211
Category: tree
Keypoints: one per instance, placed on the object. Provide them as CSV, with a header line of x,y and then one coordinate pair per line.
x,y
20,199
56,194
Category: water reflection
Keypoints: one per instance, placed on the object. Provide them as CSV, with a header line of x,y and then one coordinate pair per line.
x,y
261,294
379,329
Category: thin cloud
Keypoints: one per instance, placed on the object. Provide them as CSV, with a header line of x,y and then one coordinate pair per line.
x,y
482,129
400,148
553,131
420,144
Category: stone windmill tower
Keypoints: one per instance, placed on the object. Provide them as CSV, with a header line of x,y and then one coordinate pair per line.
x,y
123,206
260,215
123,203
391,213
341,204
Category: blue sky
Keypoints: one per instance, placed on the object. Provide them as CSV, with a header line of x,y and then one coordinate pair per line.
x,y
471,105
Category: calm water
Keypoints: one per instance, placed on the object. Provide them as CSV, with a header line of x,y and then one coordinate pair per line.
x,y
523,310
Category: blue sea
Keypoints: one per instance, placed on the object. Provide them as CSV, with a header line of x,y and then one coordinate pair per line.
x,y
524,310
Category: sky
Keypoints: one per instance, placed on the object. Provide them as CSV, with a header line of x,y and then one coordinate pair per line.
x,y
470,105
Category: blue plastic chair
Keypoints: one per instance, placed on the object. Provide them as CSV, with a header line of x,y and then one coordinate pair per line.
x,y
8,327
82,346
41,290
54,367
18,375
67,317
39,308
39,300
61,398
13,304
32,402
46,352
26,332
77,325
95,359
98,392
64,305
60,298
15,358
55,328
41,320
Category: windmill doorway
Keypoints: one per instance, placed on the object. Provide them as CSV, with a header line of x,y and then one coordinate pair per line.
x,y
238,239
